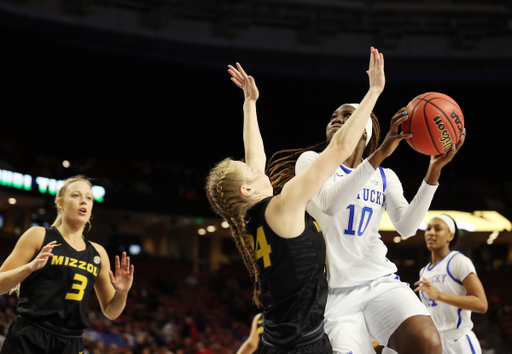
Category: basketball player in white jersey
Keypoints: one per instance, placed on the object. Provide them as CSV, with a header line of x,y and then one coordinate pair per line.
x,y
366,299
450,288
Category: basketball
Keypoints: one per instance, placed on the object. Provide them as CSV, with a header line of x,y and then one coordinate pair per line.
x,y
435,121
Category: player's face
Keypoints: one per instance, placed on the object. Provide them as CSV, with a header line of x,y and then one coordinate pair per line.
x,y
338,118
437,235
77,202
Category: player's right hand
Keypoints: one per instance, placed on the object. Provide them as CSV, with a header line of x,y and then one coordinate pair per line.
x,y
43,256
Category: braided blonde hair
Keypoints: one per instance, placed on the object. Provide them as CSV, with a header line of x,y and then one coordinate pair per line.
x,y
223,192
60,196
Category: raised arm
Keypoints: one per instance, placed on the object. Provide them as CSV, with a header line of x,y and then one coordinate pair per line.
x,y
112,288
253,143
335,197
406,218
438,162
297,192
26,258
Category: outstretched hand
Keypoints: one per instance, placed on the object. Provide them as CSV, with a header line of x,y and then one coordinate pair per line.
x,y
393,137
244,81
426,286
43,256
123,278
440,161
376,70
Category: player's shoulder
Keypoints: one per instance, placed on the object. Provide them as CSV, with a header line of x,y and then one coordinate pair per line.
x,y
35,234
387,171
99,248
305,160
308,156
458,256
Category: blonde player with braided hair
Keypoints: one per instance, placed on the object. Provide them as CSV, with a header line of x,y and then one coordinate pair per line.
x,y
56,269
281,244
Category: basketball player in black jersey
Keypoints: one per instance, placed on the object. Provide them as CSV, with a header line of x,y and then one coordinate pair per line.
x,y
251,343
282,246
56,269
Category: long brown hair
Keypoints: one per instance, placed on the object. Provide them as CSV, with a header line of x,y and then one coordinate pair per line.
x,y
222,189
60,196
281,166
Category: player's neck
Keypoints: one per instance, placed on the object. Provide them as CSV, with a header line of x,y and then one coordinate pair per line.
x,y
355,159
71,233
437,256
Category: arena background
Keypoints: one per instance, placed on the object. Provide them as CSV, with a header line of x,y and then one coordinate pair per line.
x,y
136,94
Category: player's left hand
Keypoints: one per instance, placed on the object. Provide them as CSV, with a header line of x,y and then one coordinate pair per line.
x,y
244,81
426,286
394,136
440,161
123,278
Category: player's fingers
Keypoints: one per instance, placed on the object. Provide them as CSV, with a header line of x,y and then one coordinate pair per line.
x,y
372,58
49,245
45,254
376,58
405,136
117,265
399,119
242,71
236,75
127,264
132,269
462,139
232,68
111,276
237,83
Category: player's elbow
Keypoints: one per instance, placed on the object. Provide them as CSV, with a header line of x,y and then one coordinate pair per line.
x,y
111,317
406,232
345,147
330,210
482,306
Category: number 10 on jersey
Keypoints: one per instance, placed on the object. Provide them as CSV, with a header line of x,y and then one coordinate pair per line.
x,y
364,221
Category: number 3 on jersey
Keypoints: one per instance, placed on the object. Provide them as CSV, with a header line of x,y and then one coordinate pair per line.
x,y
362,225
80,287
263,249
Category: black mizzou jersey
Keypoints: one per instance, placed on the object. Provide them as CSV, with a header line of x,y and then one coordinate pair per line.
x,y
58,293
292,279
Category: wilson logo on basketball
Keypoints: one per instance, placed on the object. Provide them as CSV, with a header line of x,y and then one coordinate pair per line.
x,y
446,138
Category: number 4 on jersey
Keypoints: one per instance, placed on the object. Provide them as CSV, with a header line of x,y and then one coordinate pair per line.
x,y
263,249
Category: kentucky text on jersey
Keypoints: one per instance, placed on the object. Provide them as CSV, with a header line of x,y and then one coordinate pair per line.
x,y
371,195
71,262
438,278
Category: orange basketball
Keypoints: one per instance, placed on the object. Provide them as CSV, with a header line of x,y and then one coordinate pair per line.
x,y
435,121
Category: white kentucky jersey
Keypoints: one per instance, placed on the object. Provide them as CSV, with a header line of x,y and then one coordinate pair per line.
x,y
349,209
447,276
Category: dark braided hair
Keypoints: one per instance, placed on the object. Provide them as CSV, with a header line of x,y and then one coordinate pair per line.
x,y
222,190
281,166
